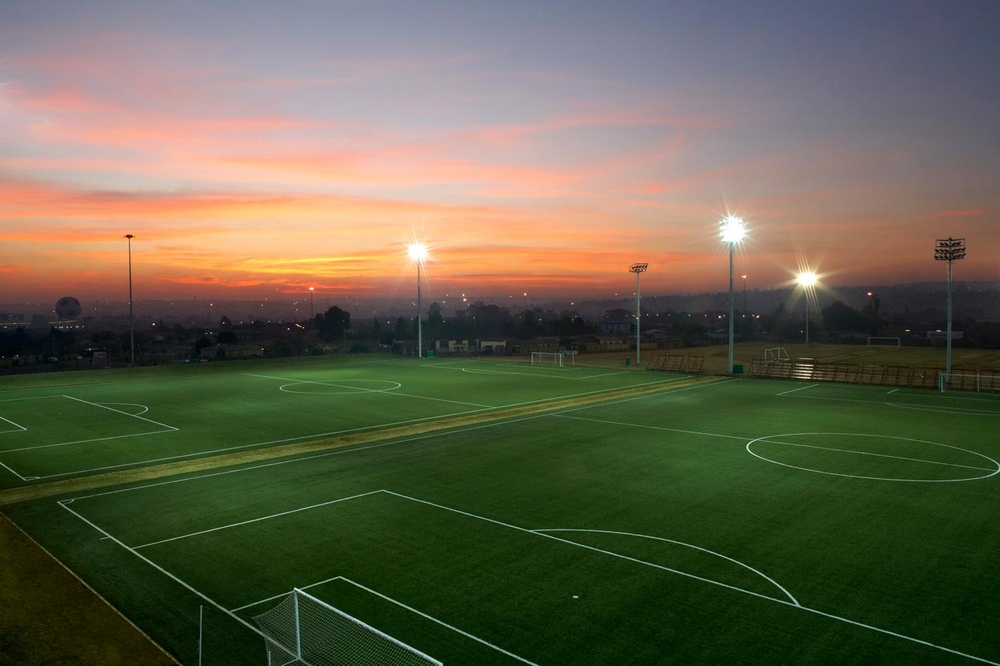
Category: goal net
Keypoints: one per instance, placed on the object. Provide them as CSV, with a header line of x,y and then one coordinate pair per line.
x,y
969,382
775,354
547,358
305,630
874,341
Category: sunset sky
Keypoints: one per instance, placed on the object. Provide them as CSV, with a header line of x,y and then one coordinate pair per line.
x,y
256,149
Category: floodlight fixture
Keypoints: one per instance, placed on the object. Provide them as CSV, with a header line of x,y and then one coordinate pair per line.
x,y
131,320
418,253
638,269
807,280
732,230
950,250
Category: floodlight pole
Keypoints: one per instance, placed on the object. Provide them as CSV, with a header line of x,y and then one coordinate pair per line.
x,y
733,231
807,318
131,324
950,250
638,269
420,331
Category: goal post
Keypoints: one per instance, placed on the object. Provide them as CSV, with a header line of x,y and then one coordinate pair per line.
x,y
988,383
305,630
776,354
547,358
876,341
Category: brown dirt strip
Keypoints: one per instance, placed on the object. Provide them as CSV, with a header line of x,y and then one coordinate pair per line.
x,y
88,630
98,481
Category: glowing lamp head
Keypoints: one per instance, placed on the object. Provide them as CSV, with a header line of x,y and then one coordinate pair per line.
x,y
732,229
418,251
807,279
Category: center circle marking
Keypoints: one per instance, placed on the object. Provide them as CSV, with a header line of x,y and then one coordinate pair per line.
x,y
966,465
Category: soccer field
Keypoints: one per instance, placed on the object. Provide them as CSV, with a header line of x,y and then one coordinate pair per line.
x,y
565,515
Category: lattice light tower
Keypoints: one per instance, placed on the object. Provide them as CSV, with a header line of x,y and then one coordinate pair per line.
x,y
638,269
950,250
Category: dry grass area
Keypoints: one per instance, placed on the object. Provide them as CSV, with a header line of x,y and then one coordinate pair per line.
x,y
716,356
48,616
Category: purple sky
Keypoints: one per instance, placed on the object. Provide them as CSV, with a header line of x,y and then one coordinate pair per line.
x,y
257,149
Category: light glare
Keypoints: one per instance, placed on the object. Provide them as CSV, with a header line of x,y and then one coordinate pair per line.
x,y
733,229
807,279
418,251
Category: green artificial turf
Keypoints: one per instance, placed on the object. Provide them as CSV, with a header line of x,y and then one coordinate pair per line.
x,y
711,520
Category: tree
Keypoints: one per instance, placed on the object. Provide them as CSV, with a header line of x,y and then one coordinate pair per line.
x,y
870,312
402,330
333,324
435,321
838,316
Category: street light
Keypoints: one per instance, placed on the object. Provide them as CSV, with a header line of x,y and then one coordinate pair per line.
x,y
733,230
131,325
418,252
949,249
638,269
312,313
807,281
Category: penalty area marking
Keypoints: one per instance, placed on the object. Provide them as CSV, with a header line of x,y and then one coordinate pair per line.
x,y
777,439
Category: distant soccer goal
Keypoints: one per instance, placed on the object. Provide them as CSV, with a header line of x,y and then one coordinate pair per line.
x,y
969,382
305,630
775,354
547,358
874,341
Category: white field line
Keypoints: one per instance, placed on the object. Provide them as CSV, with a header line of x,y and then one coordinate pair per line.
x,y
118,411
437,621
17,427
107,535
535,373
879,455
801,388
253,520
792,604
392,442
365,390
737,589
643,426
315,456
586,547
285,440
11,470
940,409
85,441
749,568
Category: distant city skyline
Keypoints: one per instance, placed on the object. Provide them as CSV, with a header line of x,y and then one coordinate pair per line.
x,y
256,149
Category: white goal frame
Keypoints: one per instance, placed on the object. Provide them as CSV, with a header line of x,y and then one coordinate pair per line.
x,y
776,354
968,382
875,341
305,630
547,358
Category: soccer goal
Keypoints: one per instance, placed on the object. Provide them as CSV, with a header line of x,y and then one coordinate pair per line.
x,y
305,630
547,358
874,341
775,354
969,382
